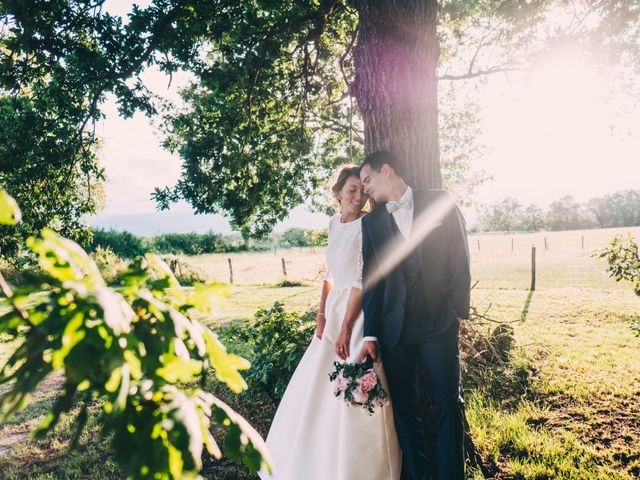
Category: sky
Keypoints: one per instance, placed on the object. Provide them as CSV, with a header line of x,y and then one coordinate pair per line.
x,y
549,133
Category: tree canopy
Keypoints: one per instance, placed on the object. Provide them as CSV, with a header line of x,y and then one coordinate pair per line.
x,y
269,113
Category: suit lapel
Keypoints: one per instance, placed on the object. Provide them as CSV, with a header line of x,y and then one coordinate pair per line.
x,y
382,232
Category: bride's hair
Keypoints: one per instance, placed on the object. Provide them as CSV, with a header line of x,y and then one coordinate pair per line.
x,y
343,176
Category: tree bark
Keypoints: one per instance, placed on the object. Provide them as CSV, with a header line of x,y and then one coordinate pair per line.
x,y
395,85
396,56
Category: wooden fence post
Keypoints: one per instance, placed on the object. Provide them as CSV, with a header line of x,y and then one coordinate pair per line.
x,y
511,244
583,242
546,247
478,244
533,267
284,268
230,271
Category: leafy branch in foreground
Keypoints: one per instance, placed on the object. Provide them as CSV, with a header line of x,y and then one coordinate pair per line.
x,y
137,350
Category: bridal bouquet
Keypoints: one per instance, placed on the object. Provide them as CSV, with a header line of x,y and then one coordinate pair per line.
x,y
357,384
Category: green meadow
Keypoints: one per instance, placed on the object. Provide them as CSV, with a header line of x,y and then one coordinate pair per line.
x,y
567,408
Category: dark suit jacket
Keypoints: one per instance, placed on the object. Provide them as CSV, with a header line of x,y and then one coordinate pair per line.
x,y
444,259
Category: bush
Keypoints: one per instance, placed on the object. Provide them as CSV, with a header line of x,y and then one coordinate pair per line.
x,y
289,283
123,244
623,260
185,273
301,237
278,340
109,264
20,268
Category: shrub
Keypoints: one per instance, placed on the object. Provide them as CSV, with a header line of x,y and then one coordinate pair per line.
x,y
624,263
109,264
301,237
186,273
123,244
20,268
279,340
289,283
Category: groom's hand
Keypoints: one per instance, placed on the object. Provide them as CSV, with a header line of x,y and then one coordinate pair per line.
x,y
369,349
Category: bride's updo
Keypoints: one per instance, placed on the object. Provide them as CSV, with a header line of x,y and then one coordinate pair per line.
x,y
345,173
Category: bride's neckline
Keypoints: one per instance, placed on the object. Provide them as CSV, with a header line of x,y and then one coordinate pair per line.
x,y
347,223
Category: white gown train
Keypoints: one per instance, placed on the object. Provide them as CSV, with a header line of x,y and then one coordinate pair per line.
x,y
314,435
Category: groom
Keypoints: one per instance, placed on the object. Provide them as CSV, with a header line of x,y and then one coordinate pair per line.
x,y
416,286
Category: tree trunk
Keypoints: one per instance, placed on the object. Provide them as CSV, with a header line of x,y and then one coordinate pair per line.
x,y
396,56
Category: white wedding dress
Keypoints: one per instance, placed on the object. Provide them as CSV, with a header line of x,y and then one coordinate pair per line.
x,y
314,435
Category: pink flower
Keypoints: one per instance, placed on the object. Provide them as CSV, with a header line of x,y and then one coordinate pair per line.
x,y
341,383
368,381
359,396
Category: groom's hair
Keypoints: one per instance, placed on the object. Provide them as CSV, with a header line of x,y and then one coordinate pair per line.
x,y
377,159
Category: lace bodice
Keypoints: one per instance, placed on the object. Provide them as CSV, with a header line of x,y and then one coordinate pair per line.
x,y
344,254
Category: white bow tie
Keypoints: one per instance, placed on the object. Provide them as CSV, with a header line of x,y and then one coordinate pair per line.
x,y
393,206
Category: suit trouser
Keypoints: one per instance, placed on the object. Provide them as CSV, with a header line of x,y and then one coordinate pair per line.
x,y
439,359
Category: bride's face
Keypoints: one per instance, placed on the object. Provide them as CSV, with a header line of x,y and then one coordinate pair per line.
x,y
352,197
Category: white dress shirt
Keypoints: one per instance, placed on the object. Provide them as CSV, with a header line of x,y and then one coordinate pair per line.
x,y
404,220
404,216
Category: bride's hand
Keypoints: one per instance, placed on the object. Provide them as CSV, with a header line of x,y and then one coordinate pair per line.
x,y
342,343
320,323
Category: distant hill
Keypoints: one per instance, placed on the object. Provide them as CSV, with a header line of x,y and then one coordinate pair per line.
x,y
153,223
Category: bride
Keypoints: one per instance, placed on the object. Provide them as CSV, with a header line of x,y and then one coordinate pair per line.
x,y
315,435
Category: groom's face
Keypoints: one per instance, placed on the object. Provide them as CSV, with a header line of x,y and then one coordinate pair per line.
x,y
377,184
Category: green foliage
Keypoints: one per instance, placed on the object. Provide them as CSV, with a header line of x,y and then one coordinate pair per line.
x,y
623,261
267,112
289,283
503,216
620,209
109,264
269,115
567,214
122,243
278,339
137,349
302,237
185,273
129,246
10,213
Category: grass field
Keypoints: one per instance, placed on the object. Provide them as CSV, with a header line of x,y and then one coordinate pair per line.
x,y
574,414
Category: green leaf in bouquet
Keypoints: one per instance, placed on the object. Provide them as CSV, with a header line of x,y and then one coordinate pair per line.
x,y
9,211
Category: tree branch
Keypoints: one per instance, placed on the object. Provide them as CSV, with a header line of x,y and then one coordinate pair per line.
x,y
478,73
